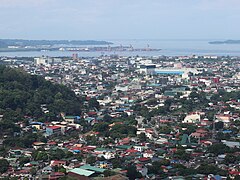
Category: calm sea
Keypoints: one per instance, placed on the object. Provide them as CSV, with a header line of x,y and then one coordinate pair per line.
x,y
169,48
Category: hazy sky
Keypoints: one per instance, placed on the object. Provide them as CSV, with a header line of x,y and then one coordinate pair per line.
x,y
120,19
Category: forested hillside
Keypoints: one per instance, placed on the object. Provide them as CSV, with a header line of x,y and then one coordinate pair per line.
x,y
22,94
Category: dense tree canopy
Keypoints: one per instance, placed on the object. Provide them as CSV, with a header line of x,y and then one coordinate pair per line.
x,y
3,165
218,149
23,94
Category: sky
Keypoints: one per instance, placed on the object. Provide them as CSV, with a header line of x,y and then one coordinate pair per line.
x,y
119,19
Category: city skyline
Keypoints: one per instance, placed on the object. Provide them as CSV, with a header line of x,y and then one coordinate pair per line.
x,y
142,19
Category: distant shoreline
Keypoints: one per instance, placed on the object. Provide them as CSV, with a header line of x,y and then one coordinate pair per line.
x,y
42,44
225,42
82,49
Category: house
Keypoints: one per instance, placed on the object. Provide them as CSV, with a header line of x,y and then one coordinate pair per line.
x,y
104,165
37,125
192,118
231,144
37,145
1,117
161,140
147,131
56,175
53,130
47,170
225,118
142,169
85,172
58,163
199,133
148,154
79,173
139,148
92,168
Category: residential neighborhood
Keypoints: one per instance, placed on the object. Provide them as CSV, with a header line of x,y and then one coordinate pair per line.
x,y
161,117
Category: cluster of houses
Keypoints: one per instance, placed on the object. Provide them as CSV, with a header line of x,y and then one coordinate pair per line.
x,y
120,85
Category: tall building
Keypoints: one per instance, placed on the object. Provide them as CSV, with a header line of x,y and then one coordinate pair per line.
x,y
75,56
43,60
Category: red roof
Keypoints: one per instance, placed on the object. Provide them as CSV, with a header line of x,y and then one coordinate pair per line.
x,y
52,143
89,147
58,174
131,151
54,127
144,159
234,172
92,113
76,148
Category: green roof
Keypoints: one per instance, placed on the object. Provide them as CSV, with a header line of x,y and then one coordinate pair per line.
x,y
92,168
100,149
70,117
82,172
124,147
170,93
11,159
179,89
184,140
34,163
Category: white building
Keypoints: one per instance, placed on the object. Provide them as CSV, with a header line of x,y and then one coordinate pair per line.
x,y
192,118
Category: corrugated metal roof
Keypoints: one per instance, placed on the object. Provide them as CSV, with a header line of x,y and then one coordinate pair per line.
x,y
92,168
82,172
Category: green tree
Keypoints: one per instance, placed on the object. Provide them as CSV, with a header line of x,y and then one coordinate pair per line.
x,y
100,127
33,171
108,173
57,154
155,168
42,155
132,173
181,154
93,103
209,169
23,160
3,152
116,162
218,148
3,165
142,137
91,160
62,169
230,159
107,118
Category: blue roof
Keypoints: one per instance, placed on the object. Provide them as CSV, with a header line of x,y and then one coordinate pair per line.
x,y
169,72
37,123
217,177
174,161
154,85
121,109
76,151
227,131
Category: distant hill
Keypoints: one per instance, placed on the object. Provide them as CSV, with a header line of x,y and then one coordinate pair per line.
x,y
225,42
4,43
22,94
